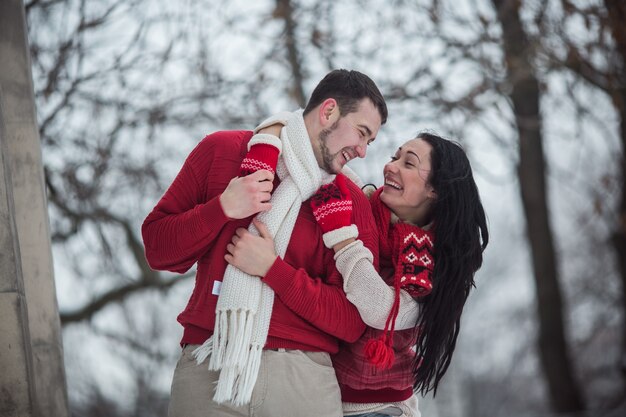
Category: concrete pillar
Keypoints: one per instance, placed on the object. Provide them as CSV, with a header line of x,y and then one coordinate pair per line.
x,y
32,376
17,381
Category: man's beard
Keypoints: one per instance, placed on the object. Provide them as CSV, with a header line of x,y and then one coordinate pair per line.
x,y
327,157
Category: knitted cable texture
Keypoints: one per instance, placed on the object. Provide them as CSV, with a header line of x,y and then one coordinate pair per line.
x,y
244,306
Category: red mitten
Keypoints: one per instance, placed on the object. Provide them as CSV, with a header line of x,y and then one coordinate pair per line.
x,y
415,258
263,152
332,205
332,208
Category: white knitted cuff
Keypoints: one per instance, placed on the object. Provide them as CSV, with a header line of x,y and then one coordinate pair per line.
x,y
267,139
339,235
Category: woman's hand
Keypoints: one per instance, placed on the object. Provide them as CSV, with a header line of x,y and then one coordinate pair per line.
x,y
332,209
272,129
342,244
254,255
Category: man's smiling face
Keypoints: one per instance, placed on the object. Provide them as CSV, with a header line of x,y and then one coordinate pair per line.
x,y
348,137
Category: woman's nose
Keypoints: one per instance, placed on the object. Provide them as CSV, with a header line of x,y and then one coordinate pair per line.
x,y
390,167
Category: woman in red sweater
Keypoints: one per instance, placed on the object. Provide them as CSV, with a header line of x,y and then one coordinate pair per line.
x,y
432,233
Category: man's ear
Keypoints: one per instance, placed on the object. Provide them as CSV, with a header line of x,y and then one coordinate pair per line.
x,y
329,112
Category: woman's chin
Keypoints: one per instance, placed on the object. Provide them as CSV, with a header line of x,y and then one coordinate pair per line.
x,y
386,195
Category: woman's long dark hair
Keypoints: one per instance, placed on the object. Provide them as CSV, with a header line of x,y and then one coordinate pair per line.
x,y
460,238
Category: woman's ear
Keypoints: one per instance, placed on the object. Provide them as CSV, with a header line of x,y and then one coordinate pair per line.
x,y
432,194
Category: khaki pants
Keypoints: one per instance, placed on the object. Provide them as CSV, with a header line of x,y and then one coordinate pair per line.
x,y
290,383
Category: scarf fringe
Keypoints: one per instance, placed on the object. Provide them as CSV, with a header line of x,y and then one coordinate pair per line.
x,y
238,339
202,352
220,337
235,384
225,385
246,381
231,337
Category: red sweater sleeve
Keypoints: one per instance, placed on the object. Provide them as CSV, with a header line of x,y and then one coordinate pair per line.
x,y
322,302
184,223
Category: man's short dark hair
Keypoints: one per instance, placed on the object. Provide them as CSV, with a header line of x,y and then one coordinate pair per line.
x,y
348,88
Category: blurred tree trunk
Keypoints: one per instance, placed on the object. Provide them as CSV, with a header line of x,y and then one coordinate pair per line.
x,y
619,235
564,392
284,10
616,10
612,81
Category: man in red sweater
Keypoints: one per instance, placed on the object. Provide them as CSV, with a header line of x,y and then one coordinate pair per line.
x,y
220,187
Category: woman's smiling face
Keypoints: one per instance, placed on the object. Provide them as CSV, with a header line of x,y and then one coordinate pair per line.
x,y
407,191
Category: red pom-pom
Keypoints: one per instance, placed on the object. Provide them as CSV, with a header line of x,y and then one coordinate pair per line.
x,y
379,353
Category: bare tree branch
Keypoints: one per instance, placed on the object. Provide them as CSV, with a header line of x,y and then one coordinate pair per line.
x,y
117,295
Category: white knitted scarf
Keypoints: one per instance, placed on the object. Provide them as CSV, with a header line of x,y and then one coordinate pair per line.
x,y
244,307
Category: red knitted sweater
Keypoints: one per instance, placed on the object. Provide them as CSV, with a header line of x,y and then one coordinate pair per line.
x,y
188,226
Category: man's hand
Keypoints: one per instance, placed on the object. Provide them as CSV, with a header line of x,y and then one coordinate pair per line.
x,y
245,196
252,254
